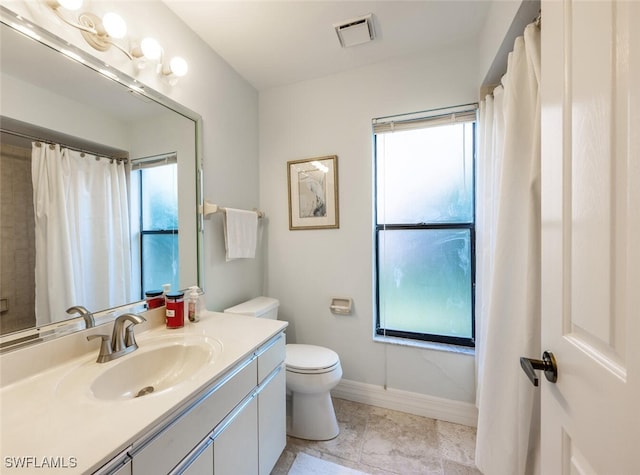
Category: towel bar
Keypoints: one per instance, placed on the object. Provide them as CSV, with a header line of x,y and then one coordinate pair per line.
x,y
210,208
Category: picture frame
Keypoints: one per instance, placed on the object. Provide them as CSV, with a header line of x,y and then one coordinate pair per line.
x,y
313,193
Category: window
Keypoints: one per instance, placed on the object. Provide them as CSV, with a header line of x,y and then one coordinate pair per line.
x,y
424,229
155,185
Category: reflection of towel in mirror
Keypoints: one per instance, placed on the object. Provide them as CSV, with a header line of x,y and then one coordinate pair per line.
x,y
240,233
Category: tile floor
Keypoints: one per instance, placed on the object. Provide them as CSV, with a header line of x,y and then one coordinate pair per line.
x,y
382,442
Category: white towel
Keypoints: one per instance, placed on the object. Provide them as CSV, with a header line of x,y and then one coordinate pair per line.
x,y
240,233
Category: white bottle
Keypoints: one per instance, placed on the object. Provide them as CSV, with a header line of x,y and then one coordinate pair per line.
x,y
193,307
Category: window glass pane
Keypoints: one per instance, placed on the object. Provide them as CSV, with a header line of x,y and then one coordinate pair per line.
x,y
159,261
425,175
425,281
160,197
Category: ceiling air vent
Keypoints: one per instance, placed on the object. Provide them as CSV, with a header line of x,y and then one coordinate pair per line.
x,y
356,31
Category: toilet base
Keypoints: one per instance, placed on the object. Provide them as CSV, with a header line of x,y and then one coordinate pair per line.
x,y
312,417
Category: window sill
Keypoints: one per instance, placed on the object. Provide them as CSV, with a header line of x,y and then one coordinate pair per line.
x,y
425,345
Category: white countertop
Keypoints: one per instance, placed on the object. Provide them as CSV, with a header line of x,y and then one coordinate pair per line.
x,y
44,420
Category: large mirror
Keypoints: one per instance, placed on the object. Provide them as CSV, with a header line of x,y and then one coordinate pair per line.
x,y
54,93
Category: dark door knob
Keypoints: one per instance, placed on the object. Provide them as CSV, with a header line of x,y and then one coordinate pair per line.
x,y
546,364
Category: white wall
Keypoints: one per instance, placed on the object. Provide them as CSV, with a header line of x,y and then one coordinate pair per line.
x,y
305,269
228,106
23,101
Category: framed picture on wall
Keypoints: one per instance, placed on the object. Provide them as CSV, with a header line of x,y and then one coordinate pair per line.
x,y
313,193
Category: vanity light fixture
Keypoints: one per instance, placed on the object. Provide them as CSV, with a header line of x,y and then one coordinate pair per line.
x,y
175,69
177,66
70,4
148,50
99,33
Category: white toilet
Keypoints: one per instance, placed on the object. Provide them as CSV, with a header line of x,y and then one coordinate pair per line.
x,y
311,372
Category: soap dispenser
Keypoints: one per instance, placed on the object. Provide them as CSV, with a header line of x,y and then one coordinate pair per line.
x,y
194,303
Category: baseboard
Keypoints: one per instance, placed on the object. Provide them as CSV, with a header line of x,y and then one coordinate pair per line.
x,y
449,410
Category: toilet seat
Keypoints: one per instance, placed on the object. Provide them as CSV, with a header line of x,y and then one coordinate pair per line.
x,y
310,359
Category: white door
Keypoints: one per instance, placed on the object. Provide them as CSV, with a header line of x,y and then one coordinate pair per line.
x,y
590,94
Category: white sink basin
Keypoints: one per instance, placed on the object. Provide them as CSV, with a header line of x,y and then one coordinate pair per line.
x,y
151,371
156,366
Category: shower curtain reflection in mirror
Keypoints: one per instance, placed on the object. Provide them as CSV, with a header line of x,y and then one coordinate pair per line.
x,y
81,231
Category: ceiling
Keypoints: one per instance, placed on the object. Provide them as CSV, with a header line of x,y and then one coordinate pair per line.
x,y
275,43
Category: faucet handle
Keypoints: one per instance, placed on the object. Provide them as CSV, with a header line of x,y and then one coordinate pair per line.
x,y
105,347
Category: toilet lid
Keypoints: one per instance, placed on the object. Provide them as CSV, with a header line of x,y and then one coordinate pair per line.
x,y
310,357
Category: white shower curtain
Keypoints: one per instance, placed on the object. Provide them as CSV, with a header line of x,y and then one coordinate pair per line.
x,y
508,265
83,252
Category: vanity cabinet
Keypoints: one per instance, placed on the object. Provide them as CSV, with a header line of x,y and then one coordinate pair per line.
x,y
202,463
272,430
125,469
119,465
236,426
235,448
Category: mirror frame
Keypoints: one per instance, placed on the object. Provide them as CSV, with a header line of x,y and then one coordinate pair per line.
x,y
20,25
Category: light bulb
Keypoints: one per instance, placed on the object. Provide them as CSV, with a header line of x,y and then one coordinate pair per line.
x,y
70,4
178,66
114,25
151,49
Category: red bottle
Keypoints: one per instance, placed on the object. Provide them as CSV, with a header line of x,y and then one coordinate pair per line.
x,y
154,298
175,309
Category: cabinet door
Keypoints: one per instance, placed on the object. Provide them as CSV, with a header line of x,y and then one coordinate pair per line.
x,y
272,420
119,465
124,469
235,448
203,464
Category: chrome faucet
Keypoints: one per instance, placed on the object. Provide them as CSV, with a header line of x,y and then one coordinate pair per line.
x,y
84,313
122,341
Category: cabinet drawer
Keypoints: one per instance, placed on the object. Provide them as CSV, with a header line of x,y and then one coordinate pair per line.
x,y
270,356
170,446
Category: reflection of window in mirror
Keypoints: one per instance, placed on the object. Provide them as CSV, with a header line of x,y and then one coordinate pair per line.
x,y
154,204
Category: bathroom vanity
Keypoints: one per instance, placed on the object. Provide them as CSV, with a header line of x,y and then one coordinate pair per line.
x,y
212,401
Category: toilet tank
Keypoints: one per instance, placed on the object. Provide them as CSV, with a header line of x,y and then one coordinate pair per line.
x,y
261,307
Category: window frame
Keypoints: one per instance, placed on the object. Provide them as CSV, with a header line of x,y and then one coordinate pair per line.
x,y
144,233
140,165
379,329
